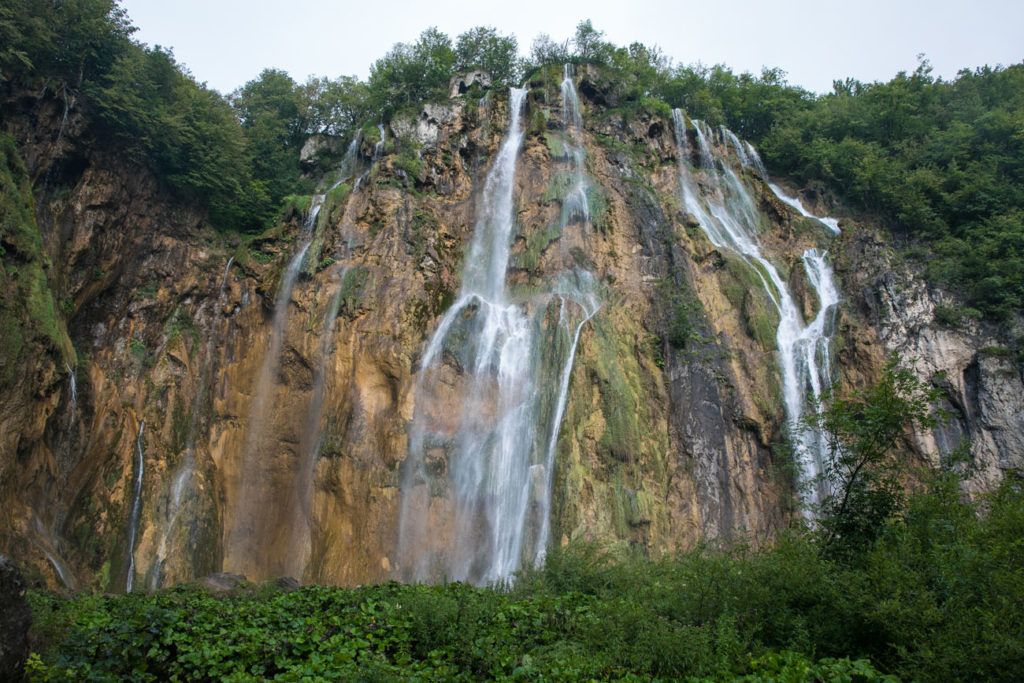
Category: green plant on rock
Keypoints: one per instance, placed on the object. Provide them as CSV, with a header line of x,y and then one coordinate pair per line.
x,y
863,431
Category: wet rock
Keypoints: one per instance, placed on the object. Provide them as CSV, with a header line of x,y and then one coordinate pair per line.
x,y
223,582
317,146
286,583
15,619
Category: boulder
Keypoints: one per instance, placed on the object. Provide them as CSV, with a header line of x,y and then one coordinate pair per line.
x,y
317,146
15,619
223,582
460,84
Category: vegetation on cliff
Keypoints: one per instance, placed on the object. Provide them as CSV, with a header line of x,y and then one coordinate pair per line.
x,y
941,162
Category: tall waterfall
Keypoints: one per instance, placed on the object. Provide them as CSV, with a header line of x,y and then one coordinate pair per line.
x,y
136,510
476,492
714,195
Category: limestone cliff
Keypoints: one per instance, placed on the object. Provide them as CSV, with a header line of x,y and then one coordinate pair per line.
x,y
674,427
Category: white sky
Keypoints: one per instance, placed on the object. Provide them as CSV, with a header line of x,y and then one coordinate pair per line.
x,y
227,42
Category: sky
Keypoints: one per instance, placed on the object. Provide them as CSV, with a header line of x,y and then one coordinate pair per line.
x,y
225,43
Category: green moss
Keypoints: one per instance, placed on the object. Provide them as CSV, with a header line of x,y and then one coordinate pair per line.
x,y
30,319
556,146
536,243
597,205
744,287
557,187
295,205
352,289
138,349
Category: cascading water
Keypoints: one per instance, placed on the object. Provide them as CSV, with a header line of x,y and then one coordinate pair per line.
x,y
493,453
749,157
575,204
46,543
133,519
309,447
182,481
247,523
726,212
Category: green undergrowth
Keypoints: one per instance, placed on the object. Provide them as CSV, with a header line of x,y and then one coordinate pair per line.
x,y
936,598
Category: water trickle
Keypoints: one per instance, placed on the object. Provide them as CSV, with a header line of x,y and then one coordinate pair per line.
x,y
45,542
725,210
133,519
72,394
247,523
224,280
309,447
752,159
378,147
830,223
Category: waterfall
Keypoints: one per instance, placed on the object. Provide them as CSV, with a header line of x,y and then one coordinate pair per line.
x,y
831,223
224,280
752,159
378,147
575,205
477,483
247,521
133,519
181,482
726,211
309,448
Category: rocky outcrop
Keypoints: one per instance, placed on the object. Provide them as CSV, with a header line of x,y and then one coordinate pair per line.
x,y
976,366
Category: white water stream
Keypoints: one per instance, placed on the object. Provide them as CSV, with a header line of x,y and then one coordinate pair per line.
x,y
136,510
490,396
714,195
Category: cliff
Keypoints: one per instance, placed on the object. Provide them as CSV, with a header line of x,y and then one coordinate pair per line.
x,y
246,403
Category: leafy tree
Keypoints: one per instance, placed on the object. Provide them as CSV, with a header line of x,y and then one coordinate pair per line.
x,y
546,51
336,107
484,48
590,46
274,117
863,431
411,74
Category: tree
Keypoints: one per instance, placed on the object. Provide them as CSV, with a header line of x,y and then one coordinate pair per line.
x,y
483,48
274,116
863,431
411,74
546,51
335,107
590,45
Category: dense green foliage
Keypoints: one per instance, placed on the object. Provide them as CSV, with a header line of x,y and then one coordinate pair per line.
x,y
937,597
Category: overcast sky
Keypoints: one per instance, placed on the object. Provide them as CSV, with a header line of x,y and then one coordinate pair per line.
x,y
227,42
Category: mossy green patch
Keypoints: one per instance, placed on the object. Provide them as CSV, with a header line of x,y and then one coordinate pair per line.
x,y
536,243
29,315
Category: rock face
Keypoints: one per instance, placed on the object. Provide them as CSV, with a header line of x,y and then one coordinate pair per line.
x,y
673,423
15,620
